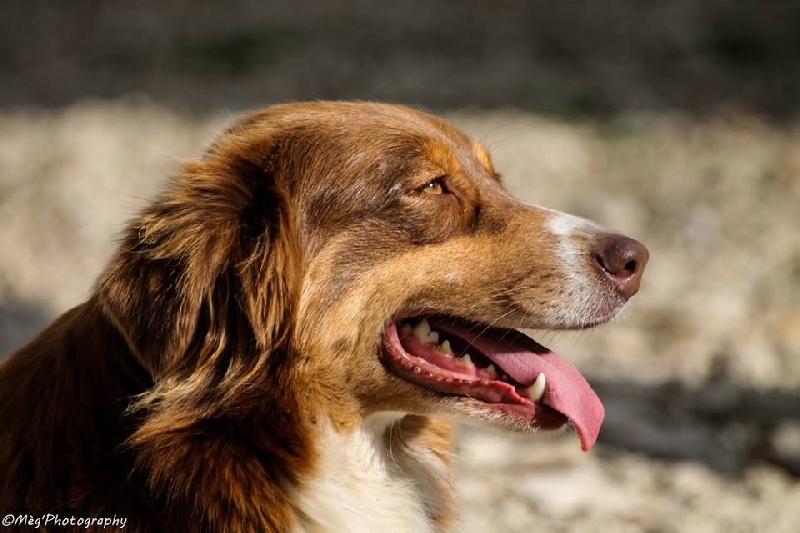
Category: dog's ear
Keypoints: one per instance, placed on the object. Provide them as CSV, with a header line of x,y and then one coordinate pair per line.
x,y
211,267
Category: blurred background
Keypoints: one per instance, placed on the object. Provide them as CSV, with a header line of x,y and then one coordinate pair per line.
x,y
674,121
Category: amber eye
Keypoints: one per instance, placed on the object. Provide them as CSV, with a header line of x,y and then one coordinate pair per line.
x,y
433,187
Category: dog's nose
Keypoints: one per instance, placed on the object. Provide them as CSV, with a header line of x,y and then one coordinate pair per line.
x,y
622,260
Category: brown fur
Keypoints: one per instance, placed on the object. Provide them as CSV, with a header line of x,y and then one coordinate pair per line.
x,y
244,307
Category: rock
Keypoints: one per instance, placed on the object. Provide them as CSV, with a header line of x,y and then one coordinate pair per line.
x,y
785,444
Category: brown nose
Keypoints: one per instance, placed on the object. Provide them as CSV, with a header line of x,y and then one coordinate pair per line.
x,y
622,260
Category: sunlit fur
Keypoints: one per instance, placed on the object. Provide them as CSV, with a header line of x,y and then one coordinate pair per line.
x,y
225,374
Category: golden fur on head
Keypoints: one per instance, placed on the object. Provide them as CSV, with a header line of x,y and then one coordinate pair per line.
x,y
241,321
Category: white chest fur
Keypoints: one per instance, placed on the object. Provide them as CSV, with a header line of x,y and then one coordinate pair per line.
x,y
364,484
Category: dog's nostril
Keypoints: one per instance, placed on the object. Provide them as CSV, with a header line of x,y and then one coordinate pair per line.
x,y
622,259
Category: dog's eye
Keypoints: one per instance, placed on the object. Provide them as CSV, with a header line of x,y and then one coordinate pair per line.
x,y
433,187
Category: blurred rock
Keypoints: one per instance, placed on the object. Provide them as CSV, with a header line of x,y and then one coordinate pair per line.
x,y
785,443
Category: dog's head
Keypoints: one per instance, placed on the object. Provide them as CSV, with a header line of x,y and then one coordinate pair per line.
x,y
368,256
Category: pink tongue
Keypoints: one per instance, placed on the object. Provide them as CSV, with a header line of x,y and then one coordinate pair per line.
x,y
523,359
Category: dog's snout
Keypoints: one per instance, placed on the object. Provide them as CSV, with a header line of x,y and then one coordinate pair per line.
x,y
622,260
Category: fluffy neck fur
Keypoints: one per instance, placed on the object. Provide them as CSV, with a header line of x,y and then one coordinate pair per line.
x,y
382,476
172,465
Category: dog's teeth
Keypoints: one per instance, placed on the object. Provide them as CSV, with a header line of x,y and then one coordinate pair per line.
x,y
433,337
491,371
536,391
466,360
422,331
445,348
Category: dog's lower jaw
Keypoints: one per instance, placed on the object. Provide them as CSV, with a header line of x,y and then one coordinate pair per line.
x,y
389,473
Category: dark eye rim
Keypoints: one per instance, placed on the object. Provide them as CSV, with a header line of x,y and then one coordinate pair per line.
x,y
441,181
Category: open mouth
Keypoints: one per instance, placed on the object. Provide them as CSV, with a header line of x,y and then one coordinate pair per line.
x,y
502,368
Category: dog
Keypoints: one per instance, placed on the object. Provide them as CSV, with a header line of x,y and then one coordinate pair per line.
x,y
284,337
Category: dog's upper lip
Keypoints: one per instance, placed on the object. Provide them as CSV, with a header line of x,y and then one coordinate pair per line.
x,y
519,356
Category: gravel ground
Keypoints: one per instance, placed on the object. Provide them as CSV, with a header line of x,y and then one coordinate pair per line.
x,y
700,376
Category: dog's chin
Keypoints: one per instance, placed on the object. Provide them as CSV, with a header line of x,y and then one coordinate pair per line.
x,y
505,418
488,376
